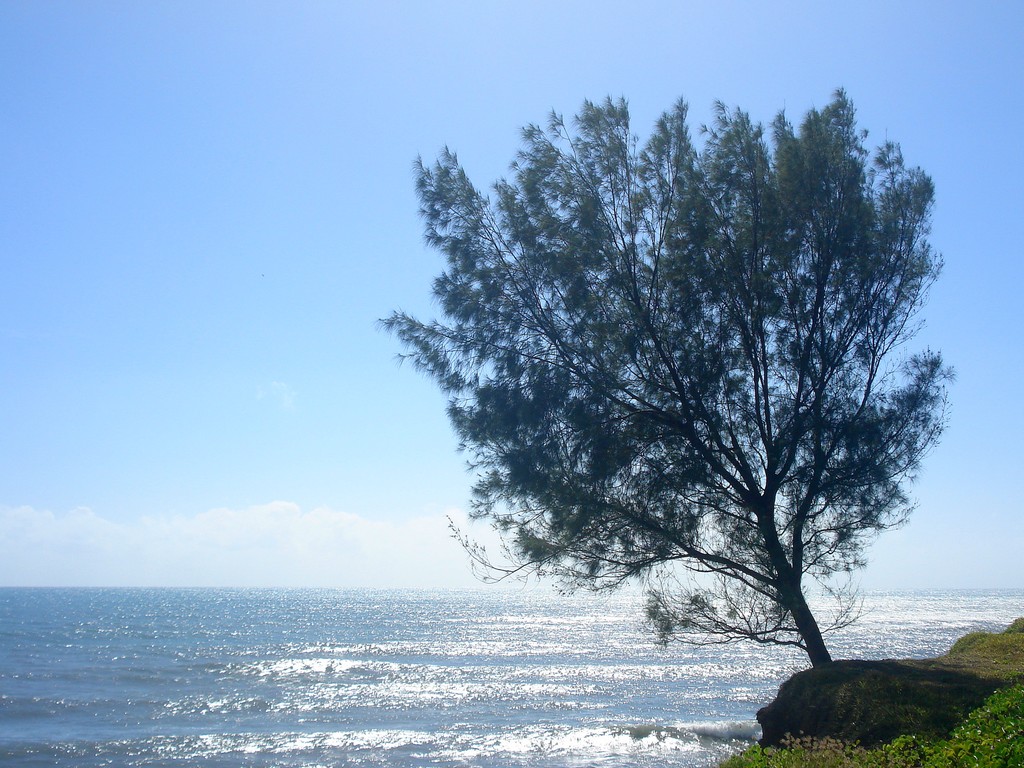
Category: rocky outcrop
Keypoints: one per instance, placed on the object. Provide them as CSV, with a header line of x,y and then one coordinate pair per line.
x,y
873,702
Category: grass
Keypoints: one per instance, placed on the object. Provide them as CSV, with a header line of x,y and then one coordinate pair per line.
x,y
996,656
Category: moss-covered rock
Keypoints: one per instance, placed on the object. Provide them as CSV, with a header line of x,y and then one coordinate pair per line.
x,y
992,736
873,702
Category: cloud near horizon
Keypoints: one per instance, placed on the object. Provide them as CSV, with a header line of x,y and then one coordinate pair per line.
x,y
275,544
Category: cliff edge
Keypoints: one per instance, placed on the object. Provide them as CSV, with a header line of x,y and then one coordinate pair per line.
x,y
873,702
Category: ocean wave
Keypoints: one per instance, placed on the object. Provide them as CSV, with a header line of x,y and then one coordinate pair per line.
x,y
445,680
591,742
606,742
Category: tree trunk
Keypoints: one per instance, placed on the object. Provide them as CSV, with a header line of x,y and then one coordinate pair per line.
x,y
809,631
790,592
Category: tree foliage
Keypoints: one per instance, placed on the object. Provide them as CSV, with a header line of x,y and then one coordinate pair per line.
x,y
678,357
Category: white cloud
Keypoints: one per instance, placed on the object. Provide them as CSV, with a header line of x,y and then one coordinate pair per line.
x,y
276,544
280,544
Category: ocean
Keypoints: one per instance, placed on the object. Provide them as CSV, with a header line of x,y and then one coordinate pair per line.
x,y
482,677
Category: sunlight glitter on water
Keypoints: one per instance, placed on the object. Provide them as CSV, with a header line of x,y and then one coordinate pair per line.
x,y
307,678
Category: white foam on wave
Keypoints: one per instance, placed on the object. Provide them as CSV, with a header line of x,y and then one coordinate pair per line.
x,y
591,742
207,746
600,742
317,667
728,730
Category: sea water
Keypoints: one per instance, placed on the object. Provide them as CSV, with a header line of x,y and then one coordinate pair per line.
x,y
484,677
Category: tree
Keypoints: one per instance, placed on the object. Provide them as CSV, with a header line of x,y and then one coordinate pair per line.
x,y
677,359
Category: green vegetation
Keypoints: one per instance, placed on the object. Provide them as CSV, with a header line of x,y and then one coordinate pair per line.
x,y
991,737
1017,628
919,708
999,656
874,702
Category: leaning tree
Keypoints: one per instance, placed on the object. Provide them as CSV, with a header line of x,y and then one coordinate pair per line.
x,y
689,358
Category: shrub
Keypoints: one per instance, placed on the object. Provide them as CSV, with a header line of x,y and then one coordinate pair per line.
x,y
804,752
991,737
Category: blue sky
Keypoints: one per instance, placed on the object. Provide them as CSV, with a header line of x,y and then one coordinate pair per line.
x,y
206,207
